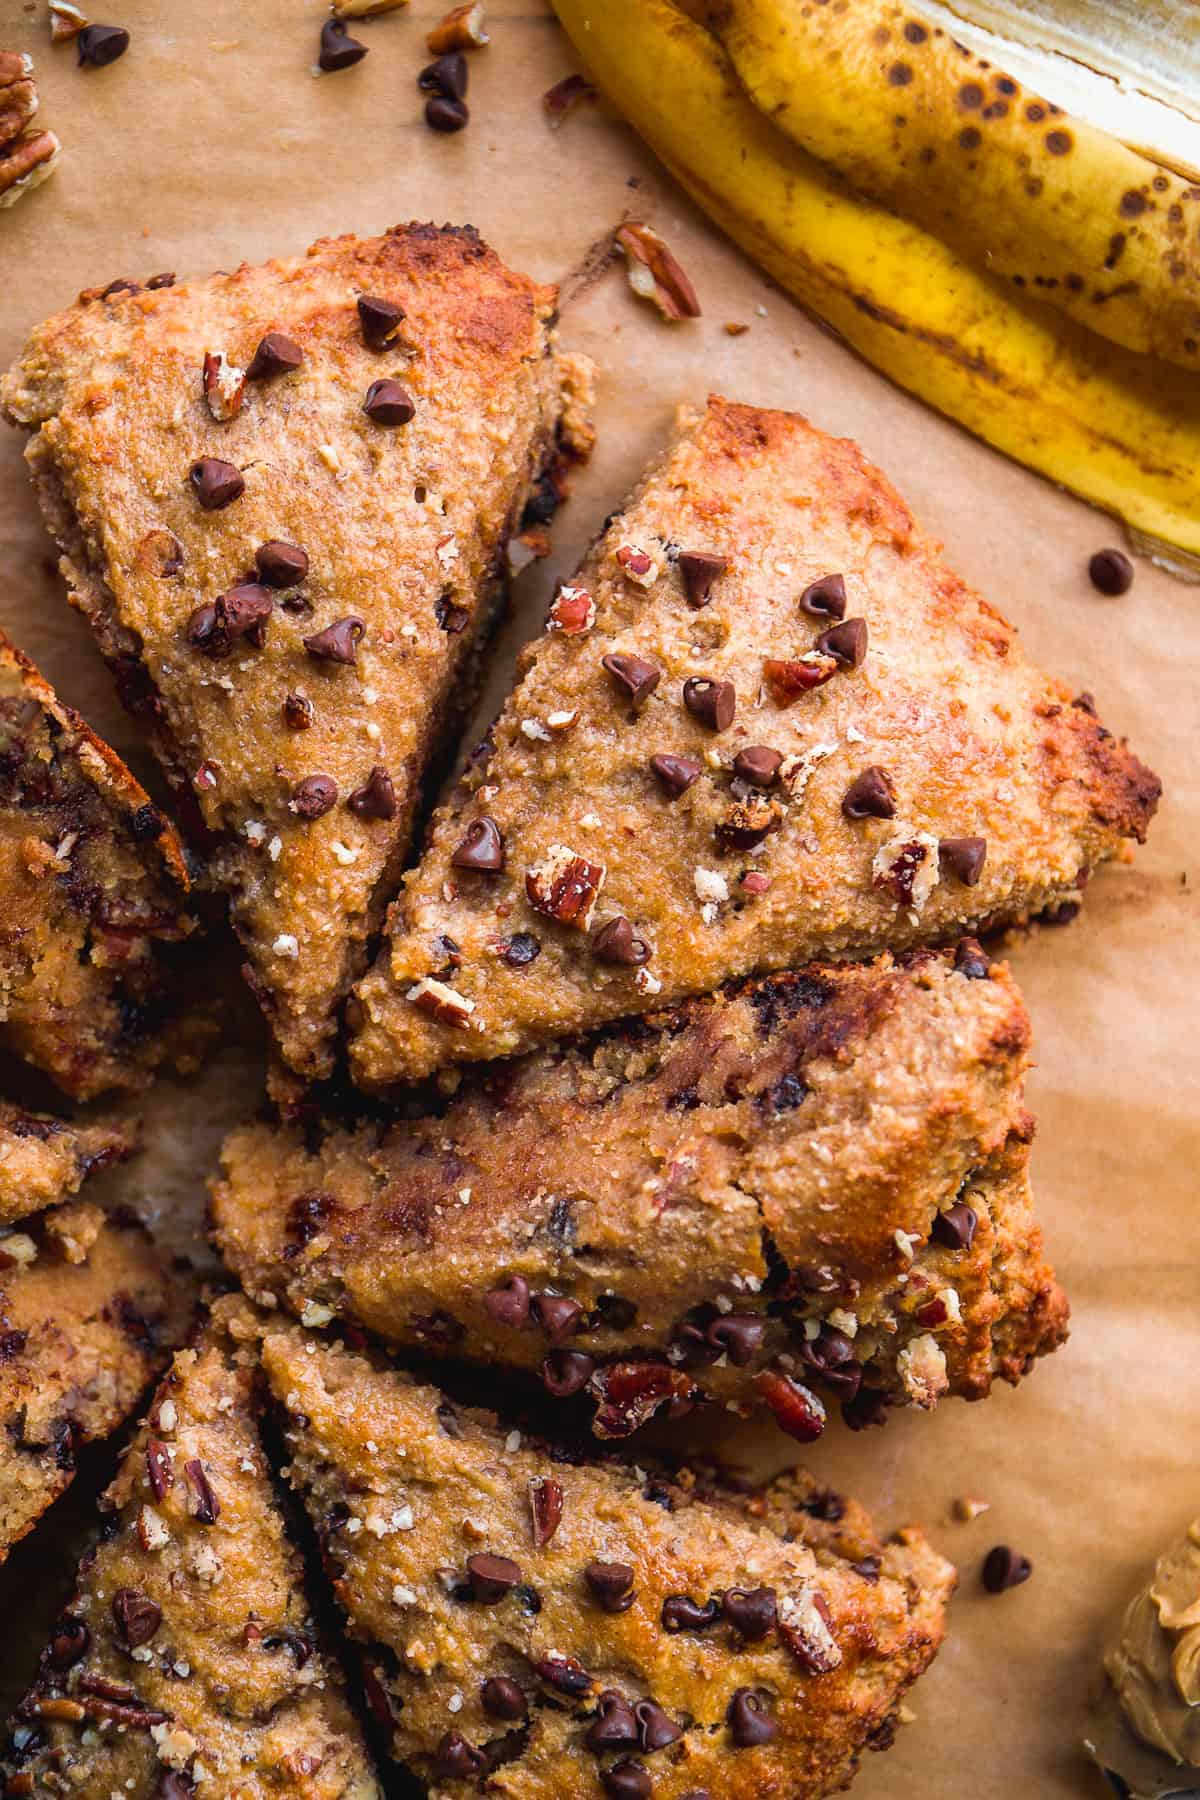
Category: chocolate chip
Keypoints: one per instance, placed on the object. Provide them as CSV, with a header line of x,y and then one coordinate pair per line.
x,y
146,824
558,1316
492,1577
868,1407
566,1372
387,403
847,642
676,773
870,795
615,1723
502,1698
298,712
482,848
681,1613
207,1508
509,1305
611,1584
314,796
1004,1568
964,857
972,960
1111,572
614,1313
626,1781
830,1355
338,49
68,1643
757,764
825,598
159,1472
99,45
276,355
713,703
136,1617
337,642
450,616
565,1673
165,280
616,942
281,565
520,950
241,613
751,1611
868,1567
215,483
699,571
380,321
955,1228
638,677
445,114
748,1722
656,1729
737,1335
447,75
456,1759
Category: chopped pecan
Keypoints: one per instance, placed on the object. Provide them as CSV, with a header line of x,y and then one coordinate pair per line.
x,y
224,386
565,886
637,564
463,28
546,1506
787,678
804,1628
441,1002
797,1409
654,273
27,163
630,1393
66,21
18,95
572,611
565,94
907,865
747,822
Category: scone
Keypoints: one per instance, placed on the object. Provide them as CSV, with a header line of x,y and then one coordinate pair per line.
x,y
544,1628
88,1315
810,1189
44,1159
187,1661
283,497
765,723
95,899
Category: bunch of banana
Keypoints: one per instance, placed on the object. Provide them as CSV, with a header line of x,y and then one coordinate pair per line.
x,y
1025,273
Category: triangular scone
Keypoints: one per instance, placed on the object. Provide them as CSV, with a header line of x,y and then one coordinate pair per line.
x,y
44,1159
88,1313
187,1662
765,723
95,898
544,1624
812,1189
283,497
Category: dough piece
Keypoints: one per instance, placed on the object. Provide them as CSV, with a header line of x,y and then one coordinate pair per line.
x,y
187,1662
292,569
812,1185
516,1605
44,1159
667,791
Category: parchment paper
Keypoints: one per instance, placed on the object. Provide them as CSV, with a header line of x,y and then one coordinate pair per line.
x,y
211,141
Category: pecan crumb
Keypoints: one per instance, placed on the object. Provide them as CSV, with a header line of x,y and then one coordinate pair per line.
x,y
654,272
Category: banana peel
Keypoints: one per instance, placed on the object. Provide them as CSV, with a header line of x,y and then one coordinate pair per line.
x,y
1118,428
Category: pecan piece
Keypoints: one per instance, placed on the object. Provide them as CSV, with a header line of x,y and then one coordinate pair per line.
x,y
797,1409
224,386
572,611
441,1002
546,1507
463,28
565,886
630,1393
25,164
804,1628
654,273
787,678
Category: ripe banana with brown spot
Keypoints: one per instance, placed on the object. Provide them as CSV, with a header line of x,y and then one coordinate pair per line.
x,y
1121,429
914,119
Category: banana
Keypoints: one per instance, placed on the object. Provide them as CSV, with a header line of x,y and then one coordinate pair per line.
x,y
911,118
1120,429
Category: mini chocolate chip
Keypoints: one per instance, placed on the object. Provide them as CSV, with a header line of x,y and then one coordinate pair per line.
x,y
1111,572
376,798
165,280
146,824
482,848
615,1723
314,796
626,1781
281,565
611,1584
445,114
298,712
713,703
751,1611
99,45
738,1335
1005,1568
616,942
337,642
635,674
215,483
509,1305
520,950
558,1316
455,1758
972,960
565,1673
868,1567
757,764
380,321
656,1729
276,355
387,403
830,1355
546,1508
676,773
681,1613
447,75
450,616
136,1617
699,571
566,1372
502,1698
69,1643
847,642
956,1226
748,1721
964,857
338,49
825,598
492,1577
241,613
870,795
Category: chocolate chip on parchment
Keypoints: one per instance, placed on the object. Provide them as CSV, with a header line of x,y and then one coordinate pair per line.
x,y
758,764
136,1617
380,321
699,570
215,483
376,798
442,113
676,773
546,1508
1004,1568
616,942
446,75
972,960
751,1611
502,1698
964,857
614,1724
99,45
509,1305
870,795
520,950
566,1673
713,703
627,1781
611,1585
281,565
387,403
1111,573
566,1372
825,598
481,848
313,797
298,712
748,1721
634,674
846,642
276,355
492,1577
955,1228
338,49
656,1728
457,1760
337,642
681,1613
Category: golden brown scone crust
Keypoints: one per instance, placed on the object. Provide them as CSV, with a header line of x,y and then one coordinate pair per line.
x,y
404,528
404,1489
197,1654
709,1193
95,897
88,1314
44,1159
977,743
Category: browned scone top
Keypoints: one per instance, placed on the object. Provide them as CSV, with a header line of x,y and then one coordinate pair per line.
x,y
88,1314
187,1662
811,1185
550,1628
765,723
44,1159
290,561
95,898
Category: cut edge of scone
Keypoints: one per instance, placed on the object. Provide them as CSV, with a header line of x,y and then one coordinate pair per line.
x,y
45,1159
